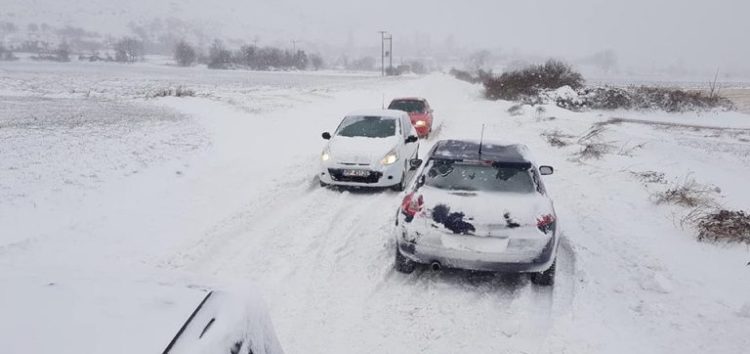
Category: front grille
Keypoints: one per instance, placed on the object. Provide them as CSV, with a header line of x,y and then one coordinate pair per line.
x,y
338,175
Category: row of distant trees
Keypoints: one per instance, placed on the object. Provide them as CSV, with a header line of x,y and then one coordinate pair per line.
x,y
130,50
247,56
126,50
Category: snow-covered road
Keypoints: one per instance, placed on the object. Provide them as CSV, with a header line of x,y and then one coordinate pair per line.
x,y
242,205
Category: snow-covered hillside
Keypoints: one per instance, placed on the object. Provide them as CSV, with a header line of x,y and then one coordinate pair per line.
x,y
99,177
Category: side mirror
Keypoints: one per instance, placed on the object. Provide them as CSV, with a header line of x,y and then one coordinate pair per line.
x,y
415,163
411,139
327,135
546,170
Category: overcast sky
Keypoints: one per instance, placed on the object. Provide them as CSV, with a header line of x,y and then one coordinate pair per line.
x,y
659,32
694,34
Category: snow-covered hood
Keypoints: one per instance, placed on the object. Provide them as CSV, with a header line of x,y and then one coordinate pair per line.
x,y
71,315
360,150
487,212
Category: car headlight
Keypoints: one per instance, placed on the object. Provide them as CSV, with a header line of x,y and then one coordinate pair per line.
x,y
326,155
390,158
420,123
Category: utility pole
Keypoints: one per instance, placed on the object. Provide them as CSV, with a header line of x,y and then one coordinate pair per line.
x,y
294,45
390,52
382,52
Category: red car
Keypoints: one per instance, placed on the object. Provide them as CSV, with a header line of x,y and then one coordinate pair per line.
x,y
419,111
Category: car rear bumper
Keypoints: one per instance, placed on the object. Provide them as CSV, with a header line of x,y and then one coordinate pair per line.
x,y
505,262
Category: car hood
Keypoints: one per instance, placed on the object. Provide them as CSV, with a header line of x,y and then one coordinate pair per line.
x,y
482,213
360,150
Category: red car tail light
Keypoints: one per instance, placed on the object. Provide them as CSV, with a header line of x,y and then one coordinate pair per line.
x,y
545,223
411,205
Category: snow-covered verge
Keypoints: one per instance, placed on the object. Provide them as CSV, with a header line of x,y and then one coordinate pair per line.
x,y
243,206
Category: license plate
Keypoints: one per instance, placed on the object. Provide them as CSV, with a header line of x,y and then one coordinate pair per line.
x,y
474,243
356,173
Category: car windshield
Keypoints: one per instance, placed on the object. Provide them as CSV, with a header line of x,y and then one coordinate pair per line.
x,y
411,106
367,126
462,176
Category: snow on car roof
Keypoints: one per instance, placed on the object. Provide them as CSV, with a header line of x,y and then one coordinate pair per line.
x,y
409,99
469,150
391,113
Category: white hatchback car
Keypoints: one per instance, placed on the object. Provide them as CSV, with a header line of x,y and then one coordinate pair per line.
x,y
374,148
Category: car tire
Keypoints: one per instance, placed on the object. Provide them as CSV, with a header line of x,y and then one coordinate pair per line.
x,y
401,185
545,278
323,184
403,264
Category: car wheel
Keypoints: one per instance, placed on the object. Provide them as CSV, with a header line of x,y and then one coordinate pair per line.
x,y
401,185
323,184
545,278
403,264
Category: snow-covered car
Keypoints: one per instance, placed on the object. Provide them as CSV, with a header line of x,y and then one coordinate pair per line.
x,y
420,113
478,206
114,316
374,148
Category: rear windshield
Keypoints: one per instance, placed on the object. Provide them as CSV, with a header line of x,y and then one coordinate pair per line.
x,y
460,176
411,106
370,127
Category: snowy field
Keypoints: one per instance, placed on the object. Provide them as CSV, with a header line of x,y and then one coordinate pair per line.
x,y
98,177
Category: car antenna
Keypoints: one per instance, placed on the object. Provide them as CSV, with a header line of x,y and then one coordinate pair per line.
x,y
481,139
382,102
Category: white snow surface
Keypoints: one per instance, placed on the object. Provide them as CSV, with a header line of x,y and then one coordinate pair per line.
x,y
96,177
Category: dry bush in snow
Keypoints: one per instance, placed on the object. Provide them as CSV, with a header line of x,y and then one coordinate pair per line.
x,y
650,176
515,110
592,145
178,91
724,225
556,138
687,193
526,84
594,150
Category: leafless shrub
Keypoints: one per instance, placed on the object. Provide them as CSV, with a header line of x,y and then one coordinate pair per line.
x,y
478,76
515,110
724,225
626,150
178,91
556,138
592,145
540,111
530,81
650,176
594,132
650,98
594,150
687,193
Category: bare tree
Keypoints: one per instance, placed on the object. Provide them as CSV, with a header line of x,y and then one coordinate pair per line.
x,y
128,50
62,53
218,56
184,54
316,61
